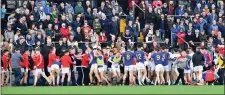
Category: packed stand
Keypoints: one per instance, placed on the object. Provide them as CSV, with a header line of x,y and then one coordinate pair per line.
x,y
78,43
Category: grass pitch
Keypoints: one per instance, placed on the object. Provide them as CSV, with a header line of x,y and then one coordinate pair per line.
x,y
115,90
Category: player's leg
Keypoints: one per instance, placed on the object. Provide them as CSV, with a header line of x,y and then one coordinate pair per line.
x,y
131,76
200,72
144,71
45,77
2,77
167,69
139,73
63,75
25,75
69,78
157,80
52,77
118,75
125,74
90,76
36,76
58,76
102,74
7,77
96,74
162,74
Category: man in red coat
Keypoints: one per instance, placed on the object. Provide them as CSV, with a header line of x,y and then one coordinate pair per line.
x,y
64,31
180,41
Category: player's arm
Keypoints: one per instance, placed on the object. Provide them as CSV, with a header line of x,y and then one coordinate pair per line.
x,y
70,61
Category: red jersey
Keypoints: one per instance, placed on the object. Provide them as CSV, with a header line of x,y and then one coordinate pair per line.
x,y
66,61
39,61
25,62
85,60
5,60
51,58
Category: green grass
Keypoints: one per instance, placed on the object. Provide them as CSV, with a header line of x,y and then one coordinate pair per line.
x,y
115,90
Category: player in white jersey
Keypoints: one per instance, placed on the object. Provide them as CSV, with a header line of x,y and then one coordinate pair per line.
x,y
151,69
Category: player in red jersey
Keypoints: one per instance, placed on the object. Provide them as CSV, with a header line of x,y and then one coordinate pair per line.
x,y
66,61
24,67
53,66
5,69
39,66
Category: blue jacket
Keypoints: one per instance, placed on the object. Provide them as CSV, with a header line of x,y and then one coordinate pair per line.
x,y
105,26
213,27
202,24
175,31
29,44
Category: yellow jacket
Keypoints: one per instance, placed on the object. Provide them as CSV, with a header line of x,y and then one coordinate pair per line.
x,y
220,61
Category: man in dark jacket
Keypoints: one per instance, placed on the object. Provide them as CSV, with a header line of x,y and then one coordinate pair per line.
x,y
198,59
114,27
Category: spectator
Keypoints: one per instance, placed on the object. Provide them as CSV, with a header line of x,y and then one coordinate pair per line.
x,y
105,24
9,33
57,34
79,8
3,21
29,42
47,21
21,25
203,36
69,8
55,11
189,38
102,39
180,40
213,27
62,9
49,31
36,15
64,31
89,16
127,36
174,31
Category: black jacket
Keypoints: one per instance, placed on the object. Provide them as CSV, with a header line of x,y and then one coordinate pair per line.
x,y
198,59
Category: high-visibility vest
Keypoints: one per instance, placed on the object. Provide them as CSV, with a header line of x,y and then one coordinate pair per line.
x,y
122,25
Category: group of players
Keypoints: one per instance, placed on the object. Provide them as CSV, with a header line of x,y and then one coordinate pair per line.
x,y
155,68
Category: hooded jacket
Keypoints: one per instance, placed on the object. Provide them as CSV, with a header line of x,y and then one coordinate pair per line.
x,y
198,59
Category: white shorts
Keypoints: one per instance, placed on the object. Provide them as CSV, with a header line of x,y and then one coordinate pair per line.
x,y
128,68
24,70
53,67
159,67
94,67
105,67
198,68
4,70
166,68
151,66
101,69
65,70
115,68
140,66
134,67
187,71
38,71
